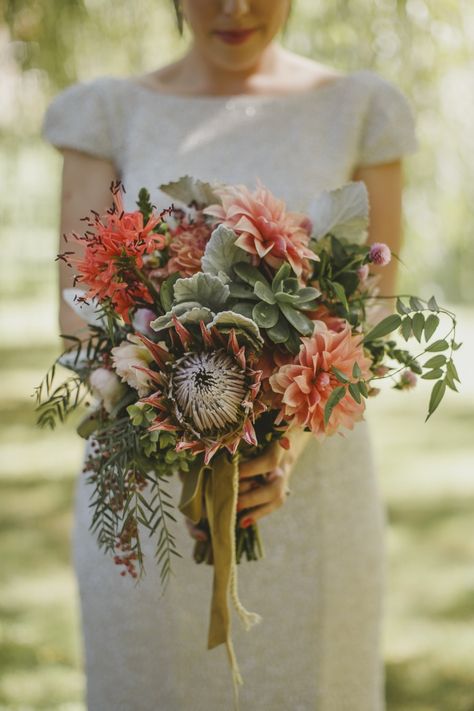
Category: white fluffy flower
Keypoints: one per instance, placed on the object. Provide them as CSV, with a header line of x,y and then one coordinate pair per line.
x,y
106,386
126,357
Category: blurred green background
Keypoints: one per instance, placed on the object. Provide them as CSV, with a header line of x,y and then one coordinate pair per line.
x,y
426,470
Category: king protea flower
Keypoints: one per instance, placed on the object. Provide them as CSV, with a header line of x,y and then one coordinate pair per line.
x,y
207,395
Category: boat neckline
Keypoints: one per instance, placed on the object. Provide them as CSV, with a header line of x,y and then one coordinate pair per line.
x,y
244,97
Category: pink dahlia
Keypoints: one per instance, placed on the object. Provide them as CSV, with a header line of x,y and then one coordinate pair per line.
x,y
264,226
306,384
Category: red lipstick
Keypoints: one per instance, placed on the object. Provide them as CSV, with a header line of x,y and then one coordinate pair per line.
x,y
234,36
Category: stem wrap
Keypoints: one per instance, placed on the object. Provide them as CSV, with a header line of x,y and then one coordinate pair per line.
x,y
217,487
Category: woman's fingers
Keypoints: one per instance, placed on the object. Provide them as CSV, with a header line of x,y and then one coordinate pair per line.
x,y
263,463
272,492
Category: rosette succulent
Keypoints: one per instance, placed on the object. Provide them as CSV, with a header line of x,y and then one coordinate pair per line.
x,y
206,391
278,306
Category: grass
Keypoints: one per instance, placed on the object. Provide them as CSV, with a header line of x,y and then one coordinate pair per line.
x,y
426,478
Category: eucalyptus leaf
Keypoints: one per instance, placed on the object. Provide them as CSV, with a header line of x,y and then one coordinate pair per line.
x,y
356,371
343,212
342,377
340,293
206,289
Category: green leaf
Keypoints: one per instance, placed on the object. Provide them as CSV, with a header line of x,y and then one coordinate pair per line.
x,y
280,332
431,325
298,320
387,325
433,374
243,308
401,308
418,322
206,289
362,388
283,272
451,368
406,327
239,291
249,273
167,292
335,397
456,345
416,304
437,395
450,382
221,253
440,345
264,292
356,371
245,327
355,392
265,315
340,293
339,374
343,212
283,297
308,293
435,362
432,305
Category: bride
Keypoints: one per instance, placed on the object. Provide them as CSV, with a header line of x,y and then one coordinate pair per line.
x,y
236,106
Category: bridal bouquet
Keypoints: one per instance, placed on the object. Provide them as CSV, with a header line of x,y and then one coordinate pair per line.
x,y
213,329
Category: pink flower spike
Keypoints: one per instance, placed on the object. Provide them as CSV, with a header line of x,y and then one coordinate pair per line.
x,y
380,254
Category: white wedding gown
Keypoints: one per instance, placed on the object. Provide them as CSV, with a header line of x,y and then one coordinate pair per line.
x,y
320,586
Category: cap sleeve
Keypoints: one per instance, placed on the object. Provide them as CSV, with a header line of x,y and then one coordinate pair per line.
x,y
77,118
389,128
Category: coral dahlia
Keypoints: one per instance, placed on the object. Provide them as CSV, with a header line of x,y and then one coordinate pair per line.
x,y
306,385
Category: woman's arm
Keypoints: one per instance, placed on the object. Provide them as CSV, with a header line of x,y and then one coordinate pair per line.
x,y
85,186
384,185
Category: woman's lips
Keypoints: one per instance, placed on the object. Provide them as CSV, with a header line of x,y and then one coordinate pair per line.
x,y
234,37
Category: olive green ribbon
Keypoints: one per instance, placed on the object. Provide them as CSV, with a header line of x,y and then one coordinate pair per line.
x,y
212,491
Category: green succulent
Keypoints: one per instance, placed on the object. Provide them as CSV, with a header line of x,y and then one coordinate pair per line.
x,y
277,307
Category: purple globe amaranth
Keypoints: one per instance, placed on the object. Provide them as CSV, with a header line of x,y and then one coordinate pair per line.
x,y
380,254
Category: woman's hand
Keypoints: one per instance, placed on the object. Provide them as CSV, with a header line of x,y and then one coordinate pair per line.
x,y
276,465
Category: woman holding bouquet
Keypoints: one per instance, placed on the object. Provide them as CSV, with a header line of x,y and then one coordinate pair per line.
x,y
235,107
